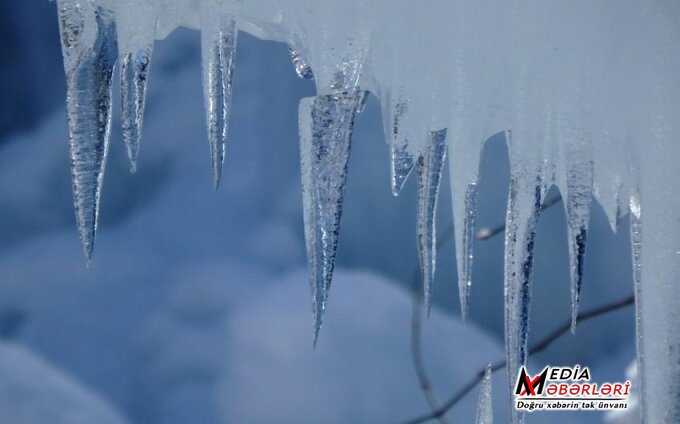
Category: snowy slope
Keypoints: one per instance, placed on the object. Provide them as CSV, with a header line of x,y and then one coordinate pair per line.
x,y
32,391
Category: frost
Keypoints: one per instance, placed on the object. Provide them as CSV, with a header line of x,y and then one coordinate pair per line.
x,y
587,94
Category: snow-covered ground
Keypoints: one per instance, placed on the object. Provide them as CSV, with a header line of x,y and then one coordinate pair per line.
x,y
196,305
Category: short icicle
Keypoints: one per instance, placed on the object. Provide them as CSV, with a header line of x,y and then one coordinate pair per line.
x,y
136,25
400,134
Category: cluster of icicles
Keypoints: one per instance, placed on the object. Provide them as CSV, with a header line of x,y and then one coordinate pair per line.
x,y
586,92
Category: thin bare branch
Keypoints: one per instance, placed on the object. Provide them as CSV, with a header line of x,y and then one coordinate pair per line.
x,y
416,355
438,412
535,348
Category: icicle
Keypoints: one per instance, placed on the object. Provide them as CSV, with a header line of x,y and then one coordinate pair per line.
x,y
401,165
430,166
524,202
636,256
466,246
467,137
88,36
484,404
610,183
403,132
580,185
576,187
656,219
401,160
136,25
325,136
218,45
302,68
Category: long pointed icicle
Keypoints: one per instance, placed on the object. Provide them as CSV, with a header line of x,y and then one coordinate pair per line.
x,y
485,404
89,47
577,204
430,166
576,186
466,246
524,200
218,45
325,137
136,24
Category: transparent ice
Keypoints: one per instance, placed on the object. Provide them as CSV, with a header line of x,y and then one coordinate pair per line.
x,y
587,93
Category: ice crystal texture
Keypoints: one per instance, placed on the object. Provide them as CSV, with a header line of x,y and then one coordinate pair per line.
x,y
586,93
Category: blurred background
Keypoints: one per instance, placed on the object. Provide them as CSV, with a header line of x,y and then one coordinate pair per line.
x,y
196,306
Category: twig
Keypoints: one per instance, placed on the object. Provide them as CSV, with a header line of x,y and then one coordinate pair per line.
x,y
536,348
416,325
438,412
416,354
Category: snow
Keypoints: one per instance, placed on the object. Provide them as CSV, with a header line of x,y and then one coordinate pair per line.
x,y
32,391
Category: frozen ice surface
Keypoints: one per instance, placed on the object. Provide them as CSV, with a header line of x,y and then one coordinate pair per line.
x,y
581,87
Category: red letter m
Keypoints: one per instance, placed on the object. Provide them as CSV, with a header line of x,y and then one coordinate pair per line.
x,y
530,387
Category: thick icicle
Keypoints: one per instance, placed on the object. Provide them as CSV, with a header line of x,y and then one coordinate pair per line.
x,y
218,46
136,25
325,137
430,166
655,215
88,38
484,404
